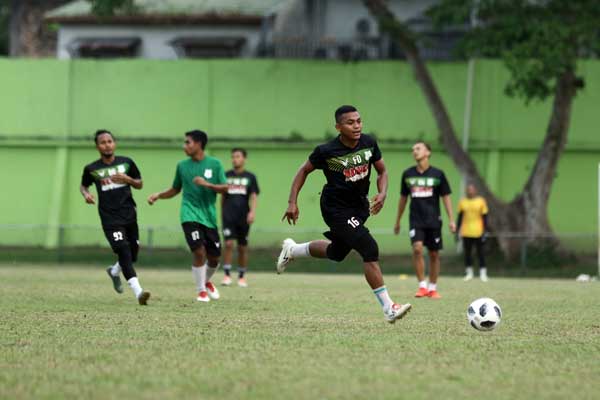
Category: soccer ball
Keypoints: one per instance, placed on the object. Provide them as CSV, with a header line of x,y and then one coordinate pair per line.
x,y
484,314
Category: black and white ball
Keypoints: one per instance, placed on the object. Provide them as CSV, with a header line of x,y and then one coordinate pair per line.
x,y
484,314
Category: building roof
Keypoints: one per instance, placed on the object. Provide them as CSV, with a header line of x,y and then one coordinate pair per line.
x,y
171,11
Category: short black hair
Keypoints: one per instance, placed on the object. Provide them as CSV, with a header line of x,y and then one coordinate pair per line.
x,y
424,143
102,132
241,150
343,110
198,136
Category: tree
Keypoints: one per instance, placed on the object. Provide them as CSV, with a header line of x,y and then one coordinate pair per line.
x,y
539,42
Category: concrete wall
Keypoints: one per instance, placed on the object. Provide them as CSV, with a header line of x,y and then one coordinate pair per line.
x,y
257,104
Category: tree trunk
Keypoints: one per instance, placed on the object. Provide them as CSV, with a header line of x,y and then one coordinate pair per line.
x,y
527,213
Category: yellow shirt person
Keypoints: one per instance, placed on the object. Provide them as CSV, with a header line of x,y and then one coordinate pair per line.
x,y
472,221
473,210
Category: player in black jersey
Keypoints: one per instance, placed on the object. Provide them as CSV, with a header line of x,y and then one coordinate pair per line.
x,y
238,209
346,162
114,176
425,185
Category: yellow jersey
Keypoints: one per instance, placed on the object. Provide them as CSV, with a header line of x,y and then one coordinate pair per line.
x,y
472,219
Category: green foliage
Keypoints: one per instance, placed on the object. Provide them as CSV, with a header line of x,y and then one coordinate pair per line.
x,y
107,8
537,40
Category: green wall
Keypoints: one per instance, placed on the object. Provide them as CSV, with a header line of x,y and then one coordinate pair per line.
x,y
47,107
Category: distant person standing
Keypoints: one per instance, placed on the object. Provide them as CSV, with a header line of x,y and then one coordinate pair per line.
x,y
200,177
425,185
114,176
238,212
471,225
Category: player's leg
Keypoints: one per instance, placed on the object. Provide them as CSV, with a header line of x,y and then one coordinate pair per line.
x,y
133,237
242,247
364,243
433,243
416,237
194,237
212,244
480,254
227,261
117,237
468,253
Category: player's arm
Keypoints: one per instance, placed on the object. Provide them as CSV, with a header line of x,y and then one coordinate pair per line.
x,y
401,207
88,197
252,213
292,212
219,188
127,180
459,223
166,194
382,186
448,206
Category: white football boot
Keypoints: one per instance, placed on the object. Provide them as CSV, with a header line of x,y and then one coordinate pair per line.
x,y
212,290
396,311
286,255
203,297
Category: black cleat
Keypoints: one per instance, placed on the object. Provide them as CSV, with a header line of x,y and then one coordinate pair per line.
x,y
143,298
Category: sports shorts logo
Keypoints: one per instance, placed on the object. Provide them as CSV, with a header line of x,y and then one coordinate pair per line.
x,y
437,240
412,233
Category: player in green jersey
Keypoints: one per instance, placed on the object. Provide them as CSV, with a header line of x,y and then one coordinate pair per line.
x,y
200,177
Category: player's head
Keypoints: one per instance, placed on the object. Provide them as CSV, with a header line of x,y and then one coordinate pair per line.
x,y
471,190
348,122
105,142
421,150
195,141
238,157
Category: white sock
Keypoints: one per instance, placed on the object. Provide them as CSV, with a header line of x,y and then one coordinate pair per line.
x,y
199,274
432,287
469,271
115,270
423,284
483,271
134,284
210,272
383,297
301,250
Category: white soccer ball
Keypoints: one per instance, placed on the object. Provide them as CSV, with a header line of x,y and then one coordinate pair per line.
x,y
484,314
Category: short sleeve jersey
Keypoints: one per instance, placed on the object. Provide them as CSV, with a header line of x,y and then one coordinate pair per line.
x,y
472,211
198,203
240,187
424,190
115,202
347,171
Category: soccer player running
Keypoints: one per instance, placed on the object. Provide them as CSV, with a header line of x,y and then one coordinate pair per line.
x,y
471,225
238,208
114,176
346,162
201,177
425,185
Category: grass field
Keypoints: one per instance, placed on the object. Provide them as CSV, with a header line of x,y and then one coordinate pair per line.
x,y
64,333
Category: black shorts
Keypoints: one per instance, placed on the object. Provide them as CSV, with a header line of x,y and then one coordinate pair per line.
x,y
348,232
123,235
198,235
236,228
431,237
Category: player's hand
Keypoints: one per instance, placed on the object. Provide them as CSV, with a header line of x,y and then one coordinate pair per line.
x,y
89,198
376,203
452,227
250,218
397,228
152,198
291,214
484,237
201,181
120,178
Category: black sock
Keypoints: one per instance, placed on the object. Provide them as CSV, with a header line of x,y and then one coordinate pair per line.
x,y
241,271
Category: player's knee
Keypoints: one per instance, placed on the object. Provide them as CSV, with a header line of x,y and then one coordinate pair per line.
x,y
418,249
434,255
368,248
229,244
